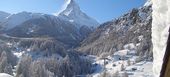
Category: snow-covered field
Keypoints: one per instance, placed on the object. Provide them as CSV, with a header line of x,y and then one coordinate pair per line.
x,y
5,75
140,69
123,61
144,69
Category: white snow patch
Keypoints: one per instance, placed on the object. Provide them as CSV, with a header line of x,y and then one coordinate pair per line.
x,y
121,52
19,54
9,44
71,20
140,37
5,75
28,49
137,44
130,46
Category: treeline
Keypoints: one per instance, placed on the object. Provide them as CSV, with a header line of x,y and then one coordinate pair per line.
x,y
69,66
7,60
47,46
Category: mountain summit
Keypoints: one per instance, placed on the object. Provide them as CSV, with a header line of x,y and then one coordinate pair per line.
x,y
73,13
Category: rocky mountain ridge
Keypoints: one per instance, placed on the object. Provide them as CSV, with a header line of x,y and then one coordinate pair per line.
x,y
133,27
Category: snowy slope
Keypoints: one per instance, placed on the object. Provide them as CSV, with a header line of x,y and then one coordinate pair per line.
x,y
3,15
5,75
73,13
160,27
130,62
144,69
16,19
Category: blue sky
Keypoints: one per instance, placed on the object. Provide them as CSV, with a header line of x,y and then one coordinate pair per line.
x,y
101,10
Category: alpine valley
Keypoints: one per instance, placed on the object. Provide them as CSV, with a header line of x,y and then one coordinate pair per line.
x,y
73,44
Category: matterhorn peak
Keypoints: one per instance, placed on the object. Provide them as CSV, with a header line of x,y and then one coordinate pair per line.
x,y
72,4
70,7
73,13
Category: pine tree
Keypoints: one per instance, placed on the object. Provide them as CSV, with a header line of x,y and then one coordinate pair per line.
x,y
8,69
5,67
37,69
23,66
128,62
3,62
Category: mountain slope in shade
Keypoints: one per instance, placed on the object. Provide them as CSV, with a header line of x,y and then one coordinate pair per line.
x,y
48,26
73,13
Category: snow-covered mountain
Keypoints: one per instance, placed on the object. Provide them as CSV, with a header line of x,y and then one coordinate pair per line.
x,y
18,18
49,26
70,26
73,13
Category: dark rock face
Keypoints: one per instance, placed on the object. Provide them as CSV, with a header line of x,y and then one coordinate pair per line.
x,y
133,27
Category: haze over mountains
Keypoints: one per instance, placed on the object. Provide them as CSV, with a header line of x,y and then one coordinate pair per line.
x,y
61,45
